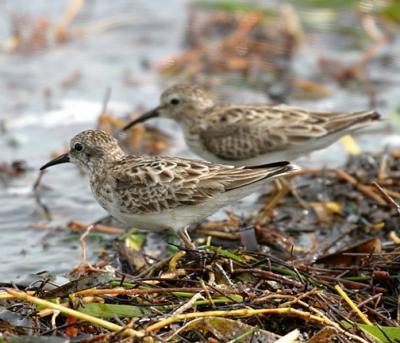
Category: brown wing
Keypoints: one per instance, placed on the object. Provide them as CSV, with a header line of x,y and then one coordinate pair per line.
x,y
161,183
239,132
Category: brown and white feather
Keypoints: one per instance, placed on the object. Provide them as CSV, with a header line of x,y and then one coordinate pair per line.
x,y
151,184
254,134
159,193
242,132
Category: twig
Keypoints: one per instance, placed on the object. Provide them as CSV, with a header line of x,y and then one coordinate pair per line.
x,y
208,296
246,312
332,323
302,296
55,314
149,271
219,234
366,301
38,199
272,276
352,305
123,291
174,260
188,304
352,284
77,226
6,296
387,197
83,244
225,295
76,314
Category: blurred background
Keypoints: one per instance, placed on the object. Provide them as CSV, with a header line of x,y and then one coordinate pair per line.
x,y
70,65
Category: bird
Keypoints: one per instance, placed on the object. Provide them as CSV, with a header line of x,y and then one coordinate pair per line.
x,y
245,135
159,193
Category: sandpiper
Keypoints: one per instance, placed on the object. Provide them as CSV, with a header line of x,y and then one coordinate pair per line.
x,y
161,193
251,134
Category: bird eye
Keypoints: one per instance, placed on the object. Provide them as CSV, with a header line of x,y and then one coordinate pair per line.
x,y
174,101
78,146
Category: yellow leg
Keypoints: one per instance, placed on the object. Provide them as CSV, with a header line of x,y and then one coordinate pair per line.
x,y
184,236
282,187
296,194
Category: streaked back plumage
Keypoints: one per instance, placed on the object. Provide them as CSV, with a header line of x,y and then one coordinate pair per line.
x,y
254,134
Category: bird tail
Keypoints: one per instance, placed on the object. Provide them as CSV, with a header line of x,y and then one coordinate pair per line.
x,y
354,120
253,175
285,170
277,168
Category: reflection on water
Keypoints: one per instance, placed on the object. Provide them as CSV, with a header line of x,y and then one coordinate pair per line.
x,y
46,96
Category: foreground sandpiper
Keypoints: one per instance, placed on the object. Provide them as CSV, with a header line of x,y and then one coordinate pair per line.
x,y
161,193
252,134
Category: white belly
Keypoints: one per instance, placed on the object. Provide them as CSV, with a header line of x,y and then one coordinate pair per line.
x,y
179,218
175,219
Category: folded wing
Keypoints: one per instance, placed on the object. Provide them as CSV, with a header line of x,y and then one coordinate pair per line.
x,y
163,183
240,132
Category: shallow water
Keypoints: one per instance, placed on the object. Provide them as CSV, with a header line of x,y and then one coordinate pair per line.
x,y
41,113
35,128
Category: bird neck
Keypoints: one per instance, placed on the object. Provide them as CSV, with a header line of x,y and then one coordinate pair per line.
x,y
99,166
192,117
191,126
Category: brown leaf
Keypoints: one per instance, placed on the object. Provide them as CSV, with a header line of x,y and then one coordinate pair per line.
x,y
341,257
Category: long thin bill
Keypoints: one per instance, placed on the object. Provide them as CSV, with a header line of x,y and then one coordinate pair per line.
x,y
58,160
151,114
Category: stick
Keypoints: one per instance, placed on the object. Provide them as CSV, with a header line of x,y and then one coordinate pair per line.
x,y
352,305
247,312
76,314
386,196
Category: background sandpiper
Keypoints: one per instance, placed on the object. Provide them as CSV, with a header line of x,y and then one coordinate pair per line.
x,y
251,134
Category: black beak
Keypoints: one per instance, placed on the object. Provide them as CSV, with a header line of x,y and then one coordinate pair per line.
x,y
60,159
151,114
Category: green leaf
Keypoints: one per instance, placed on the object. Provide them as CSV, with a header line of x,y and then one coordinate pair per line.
x,y
112,310
183,294
382,334
134,240
248,333
226,253
282,270
118,283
